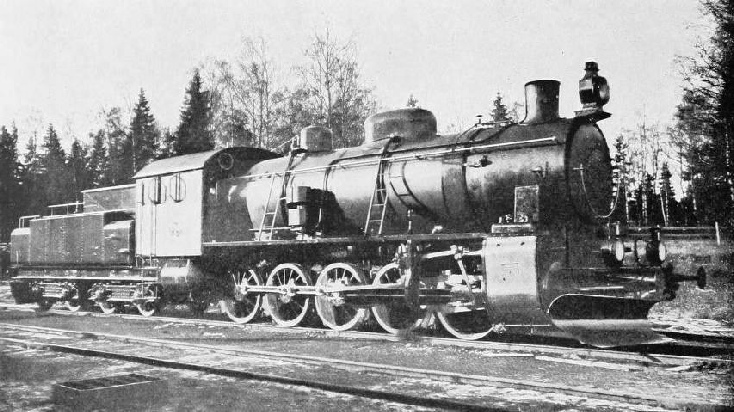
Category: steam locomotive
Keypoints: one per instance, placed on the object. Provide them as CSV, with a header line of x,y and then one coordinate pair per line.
x,y
503,225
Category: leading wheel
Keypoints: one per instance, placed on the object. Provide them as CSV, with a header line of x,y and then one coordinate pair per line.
x,y
287,308
242,306
397,316
470,325
335,314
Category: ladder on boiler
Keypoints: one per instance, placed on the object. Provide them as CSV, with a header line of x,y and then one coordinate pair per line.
x,y
272,214
380,196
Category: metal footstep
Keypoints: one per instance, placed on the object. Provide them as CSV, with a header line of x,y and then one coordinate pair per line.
x,y
111,393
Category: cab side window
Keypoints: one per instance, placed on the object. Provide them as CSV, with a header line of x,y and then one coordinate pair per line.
x,y
177,187
141,193
154,190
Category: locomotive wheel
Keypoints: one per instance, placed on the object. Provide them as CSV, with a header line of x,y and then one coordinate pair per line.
x,y
470,325
288,308
107,307
339,317
397,316
243,307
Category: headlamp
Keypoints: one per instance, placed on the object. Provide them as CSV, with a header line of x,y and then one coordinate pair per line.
x,y
656,252
613,252
593,89
618,250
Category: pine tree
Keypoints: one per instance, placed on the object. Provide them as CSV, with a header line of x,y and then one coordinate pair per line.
x,y
55,181
143,135
119,148
31,178
167,142
649,211
412,101
52,145
667,197
499,110
30,158
706,118
9,182
193,134
79,168
97,162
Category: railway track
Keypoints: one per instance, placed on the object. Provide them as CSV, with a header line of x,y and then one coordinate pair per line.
x,y
675,354
322,373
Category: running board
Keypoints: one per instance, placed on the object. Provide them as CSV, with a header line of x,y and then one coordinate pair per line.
x,y
604,321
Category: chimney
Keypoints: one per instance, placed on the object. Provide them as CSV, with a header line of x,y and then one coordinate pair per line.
x,y
541,101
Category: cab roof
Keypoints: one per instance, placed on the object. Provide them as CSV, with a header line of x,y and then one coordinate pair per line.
x,y
197,161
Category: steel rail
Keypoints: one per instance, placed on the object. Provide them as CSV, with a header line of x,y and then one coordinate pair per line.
x,y
393,370
406,399
646,359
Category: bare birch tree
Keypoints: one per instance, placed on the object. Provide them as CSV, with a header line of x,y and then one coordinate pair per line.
x,y
335,94
243,96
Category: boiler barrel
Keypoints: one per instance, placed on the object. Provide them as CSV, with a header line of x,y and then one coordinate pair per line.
x,y
458,191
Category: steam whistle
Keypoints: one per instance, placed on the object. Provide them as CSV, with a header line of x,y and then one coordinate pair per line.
x,y
593,93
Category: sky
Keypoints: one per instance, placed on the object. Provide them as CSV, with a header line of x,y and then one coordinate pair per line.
x,y
63,61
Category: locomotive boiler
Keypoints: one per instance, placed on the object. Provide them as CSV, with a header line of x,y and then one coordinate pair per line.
x,y
503,225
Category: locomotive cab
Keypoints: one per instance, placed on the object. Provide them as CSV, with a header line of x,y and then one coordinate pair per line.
x,y
179,207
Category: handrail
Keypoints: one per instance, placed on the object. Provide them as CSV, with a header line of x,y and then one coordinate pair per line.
x,y
65,205
375,157
23,220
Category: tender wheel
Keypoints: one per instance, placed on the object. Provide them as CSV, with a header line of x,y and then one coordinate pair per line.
x,y
243,307
107,307
469,325
147,308
288,308
150,308
44,305
397,316
334,315
75,304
